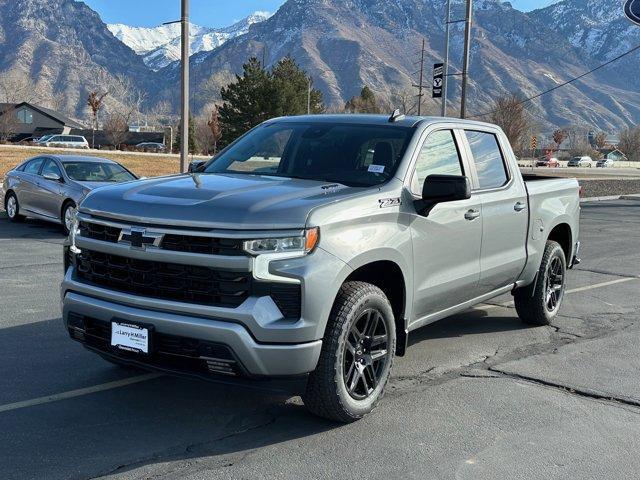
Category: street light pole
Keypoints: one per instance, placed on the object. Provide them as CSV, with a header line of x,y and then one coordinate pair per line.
x,y
184,120
465,64
309,97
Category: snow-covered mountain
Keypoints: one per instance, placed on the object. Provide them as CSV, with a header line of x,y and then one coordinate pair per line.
x,y
160,46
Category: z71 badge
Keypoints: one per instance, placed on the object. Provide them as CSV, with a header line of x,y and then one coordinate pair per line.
x,y
390,202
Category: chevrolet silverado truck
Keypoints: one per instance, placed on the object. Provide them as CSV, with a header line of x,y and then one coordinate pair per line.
x,y
312,247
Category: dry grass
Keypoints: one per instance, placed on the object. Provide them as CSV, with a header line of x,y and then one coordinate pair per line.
x,y
142,164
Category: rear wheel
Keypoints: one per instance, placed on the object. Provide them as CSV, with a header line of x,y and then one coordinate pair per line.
x,y
12,207
356,357
540,303
68,212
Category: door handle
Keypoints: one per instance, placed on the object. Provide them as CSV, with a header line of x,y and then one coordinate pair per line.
x,y
518,207
472,215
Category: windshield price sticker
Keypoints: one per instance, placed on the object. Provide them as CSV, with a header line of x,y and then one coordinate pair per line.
x,y
376,168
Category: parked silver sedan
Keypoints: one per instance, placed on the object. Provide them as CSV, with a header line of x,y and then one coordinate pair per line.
x,y
49,187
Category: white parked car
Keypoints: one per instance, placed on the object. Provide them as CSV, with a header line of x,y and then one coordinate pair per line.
x,y
605,163
581,162
67,141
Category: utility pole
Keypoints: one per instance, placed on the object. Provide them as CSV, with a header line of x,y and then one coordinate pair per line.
x,y
184,120
445,80
465,63
421,83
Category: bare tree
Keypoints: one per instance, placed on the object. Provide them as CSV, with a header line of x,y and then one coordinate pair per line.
x,y
509,113
559,136
8,124
116,129
600,140
630,143
125,100
406,101
17,87
95,102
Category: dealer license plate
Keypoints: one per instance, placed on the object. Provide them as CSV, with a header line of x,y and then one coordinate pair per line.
x,y
128,337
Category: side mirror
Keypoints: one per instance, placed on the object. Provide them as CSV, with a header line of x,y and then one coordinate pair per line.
x,y
440,189
54,177
197,166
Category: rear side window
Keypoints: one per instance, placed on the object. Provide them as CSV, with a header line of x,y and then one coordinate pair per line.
x,y
33,166
438,156
487,156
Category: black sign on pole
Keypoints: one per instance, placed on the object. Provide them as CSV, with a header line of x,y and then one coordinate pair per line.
x,y
632,10
438,78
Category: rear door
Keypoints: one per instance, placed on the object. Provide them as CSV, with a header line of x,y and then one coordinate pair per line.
x,y
446,242
504,210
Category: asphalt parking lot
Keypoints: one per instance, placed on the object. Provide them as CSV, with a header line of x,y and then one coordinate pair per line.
x,y
479,395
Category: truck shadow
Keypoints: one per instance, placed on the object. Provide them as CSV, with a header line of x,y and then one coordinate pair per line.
x,y
30,228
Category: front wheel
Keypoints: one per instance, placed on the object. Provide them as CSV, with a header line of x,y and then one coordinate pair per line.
x,y
68,212
540,304
356,357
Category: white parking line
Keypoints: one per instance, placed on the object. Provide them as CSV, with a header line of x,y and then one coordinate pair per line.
x,y
143,378
79,392
573,290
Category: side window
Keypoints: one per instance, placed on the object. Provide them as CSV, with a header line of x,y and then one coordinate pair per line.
x,y
51,167
487,156
439,155
33,166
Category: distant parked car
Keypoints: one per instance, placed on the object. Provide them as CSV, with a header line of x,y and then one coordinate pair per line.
x,y
49,187
152,146
67,141
548,162
605,163
581,162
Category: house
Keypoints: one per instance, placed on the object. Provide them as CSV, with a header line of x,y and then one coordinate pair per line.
x,y
28,120
614,154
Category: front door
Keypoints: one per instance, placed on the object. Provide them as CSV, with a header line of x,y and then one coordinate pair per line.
x,y
50,192
447,241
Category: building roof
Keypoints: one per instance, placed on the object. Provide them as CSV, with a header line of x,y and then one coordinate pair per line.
x,y
57,116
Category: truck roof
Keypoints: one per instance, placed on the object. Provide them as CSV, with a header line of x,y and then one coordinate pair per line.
x,y
370,119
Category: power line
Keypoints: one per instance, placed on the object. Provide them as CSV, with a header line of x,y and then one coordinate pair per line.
x,y
538,95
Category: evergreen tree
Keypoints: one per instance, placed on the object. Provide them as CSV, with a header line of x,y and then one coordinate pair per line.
x,y
247,102
259,95
365,103
193,144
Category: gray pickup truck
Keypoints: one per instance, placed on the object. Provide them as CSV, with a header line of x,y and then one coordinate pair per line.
x,y
312,247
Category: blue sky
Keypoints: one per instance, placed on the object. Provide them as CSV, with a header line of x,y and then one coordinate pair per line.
x,y
211,13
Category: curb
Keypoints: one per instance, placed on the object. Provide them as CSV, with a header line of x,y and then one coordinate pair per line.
x,y
635,196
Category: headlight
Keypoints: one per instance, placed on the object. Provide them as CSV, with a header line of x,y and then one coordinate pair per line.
x,y
303,244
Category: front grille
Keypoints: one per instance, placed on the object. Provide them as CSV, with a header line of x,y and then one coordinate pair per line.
x,y
205,245
166,351
165,281
97,231
170,241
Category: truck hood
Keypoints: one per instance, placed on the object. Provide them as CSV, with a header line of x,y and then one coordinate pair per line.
x,y
225,201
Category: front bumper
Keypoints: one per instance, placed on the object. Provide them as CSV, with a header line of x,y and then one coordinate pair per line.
x,y
186,344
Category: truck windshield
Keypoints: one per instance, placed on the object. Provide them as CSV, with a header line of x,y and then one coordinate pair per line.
x,y
354,155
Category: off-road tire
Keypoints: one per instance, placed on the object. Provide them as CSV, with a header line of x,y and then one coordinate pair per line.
x,y
326,393
16,217
531,302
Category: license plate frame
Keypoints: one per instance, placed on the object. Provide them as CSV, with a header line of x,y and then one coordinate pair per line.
x,y
131,337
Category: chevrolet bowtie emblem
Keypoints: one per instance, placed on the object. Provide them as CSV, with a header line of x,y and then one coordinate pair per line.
x,y
139,238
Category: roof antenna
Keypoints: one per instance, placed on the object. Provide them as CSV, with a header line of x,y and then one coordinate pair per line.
x,y
396,116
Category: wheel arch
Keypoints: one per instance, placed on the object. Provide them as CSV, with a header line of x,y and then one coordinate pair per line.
x,y
389,277
562,234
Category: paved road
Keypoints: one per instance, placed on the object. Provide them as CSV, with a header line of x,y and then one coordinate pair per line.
x,y
479,395
585,172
